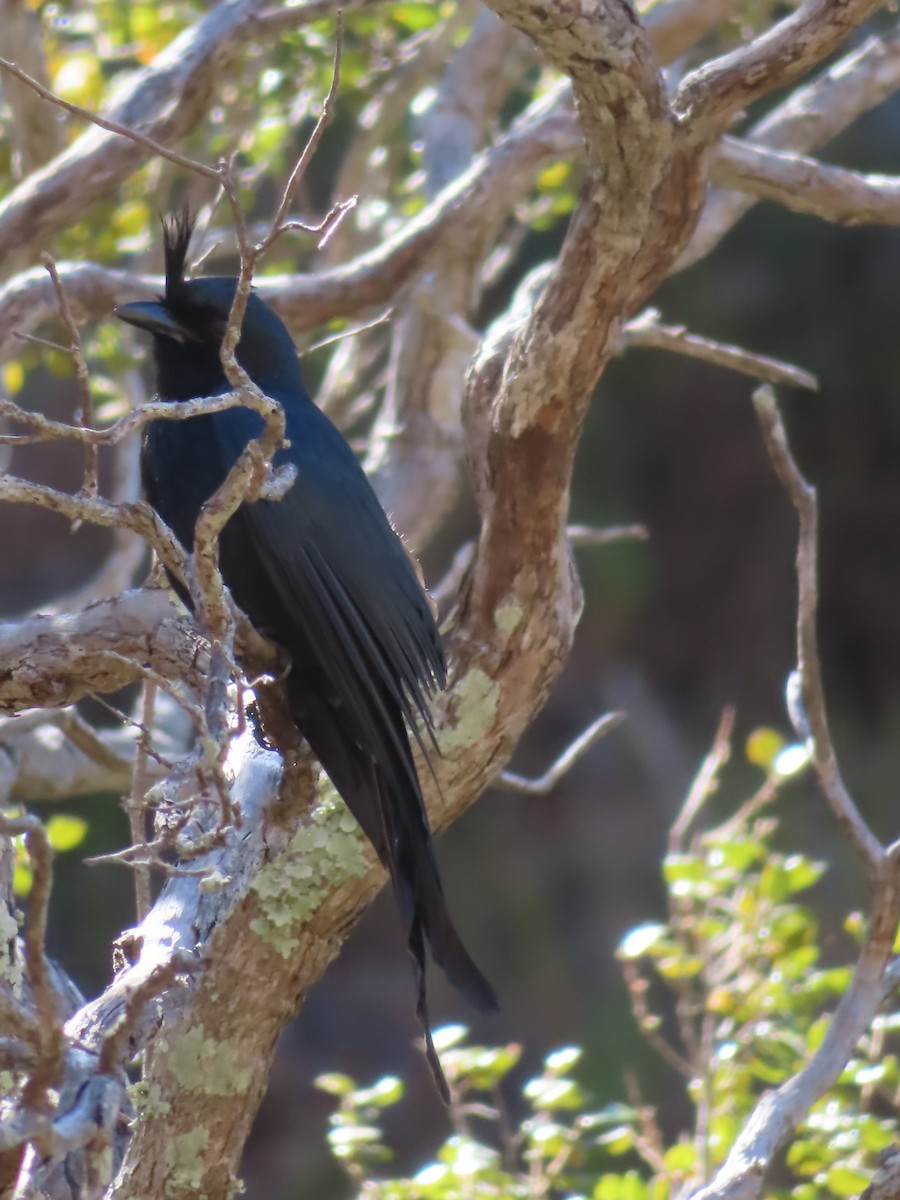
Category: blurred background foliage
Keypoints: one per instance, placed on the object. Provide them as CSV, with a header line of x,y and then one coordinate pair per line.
x,y
699,617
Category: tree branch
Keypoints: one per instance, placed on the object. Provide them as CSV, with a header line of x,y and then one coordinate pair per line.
x,y
51,661
809,117
648,331
709,97
806,185
803,497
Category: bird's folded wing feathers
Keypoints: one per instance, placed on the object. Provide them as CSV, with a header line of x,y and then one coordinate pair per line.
x,y
352,585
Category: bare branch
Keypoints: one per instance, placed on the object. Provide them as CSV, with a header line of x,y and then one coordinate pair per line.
x,y
809,117
588,535
37,134
279,221
710,96
137,517
48,1028
806,185
84,413
544,134
415,451
705,782
546,783
54,660
132,135
803,498
47,430
648,331
140,782
674,26
161,103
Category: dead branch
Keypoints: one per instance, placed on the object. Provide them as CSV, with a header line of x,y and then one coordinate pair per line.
x,y
47,1029
415,451
803,497
810,116
648,331
709,97
777,1114
37,135
546,783
808,186
51,661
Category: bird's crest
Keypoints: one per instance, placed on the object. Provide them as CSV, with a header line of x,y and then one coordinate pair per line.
x,y
178,227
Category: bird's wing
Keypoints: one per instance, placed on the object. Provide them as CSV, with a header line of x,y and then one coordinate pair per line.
x,y
343,575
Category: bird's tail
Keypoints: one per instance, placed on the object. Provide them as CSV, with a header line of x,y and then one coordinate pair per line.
x,y
385,799
407,851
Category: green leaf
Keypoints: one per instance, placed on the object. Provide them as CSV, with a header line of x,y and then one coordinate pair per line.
x,y
383,1094
66,832
629,1186
449,1035
562,1059
22,878
681,1158
335,1084
549,1094
641,940
846,1181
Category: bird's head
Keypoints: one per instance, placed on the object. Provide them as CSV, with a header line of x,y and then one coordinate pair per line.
x,y
189,322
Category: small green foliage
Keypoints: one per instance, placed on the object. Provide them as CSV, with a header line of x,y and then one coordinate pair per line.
x,y
64,832
739,960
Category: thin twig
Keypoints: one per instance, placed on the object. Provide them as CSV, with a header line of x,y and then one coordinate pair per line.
x,y
647,330
125,131
140,782
566,761
647,1021
806,185
803,497
153,410
115,1049
588,535
84,413
323,121
50,1042
705,781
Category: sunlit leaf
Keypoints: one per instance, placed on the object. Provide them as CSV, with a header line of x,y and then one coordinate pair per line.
x,y
66,832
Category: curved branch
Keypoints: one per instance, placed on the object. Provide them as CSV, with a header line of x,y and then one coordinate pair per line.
x,y
809,117
710,96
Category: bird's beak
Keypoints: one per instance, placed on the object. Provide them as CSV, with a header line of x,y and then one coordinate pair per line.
x,y
155,318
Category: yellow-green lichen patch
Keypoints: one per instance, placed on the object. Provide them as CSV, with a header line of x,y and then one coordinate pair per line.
x,y
204,1064
326,851
147,1098
507,617
184,1160
475,699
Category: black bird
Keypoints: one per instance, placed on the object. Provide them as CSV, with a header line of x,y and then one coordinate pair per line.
x,y
323,574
